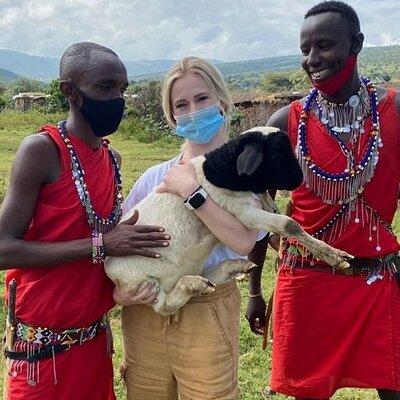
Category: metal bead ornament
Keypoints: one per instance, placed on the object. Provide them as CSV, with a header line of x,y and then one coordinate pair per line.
x,y
341,188
96,222
344,188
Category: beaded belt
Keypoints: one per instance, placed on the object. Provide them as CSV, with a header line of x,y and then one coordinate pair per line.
x,y
50,341
48,337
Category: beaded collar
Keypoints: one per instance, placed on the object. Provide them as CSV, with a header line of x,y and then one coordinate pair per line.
x,y
343,187
96,222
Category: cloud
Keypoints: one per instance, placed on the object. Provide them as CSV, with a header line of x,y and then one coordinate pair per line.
x,y
388,40
155,29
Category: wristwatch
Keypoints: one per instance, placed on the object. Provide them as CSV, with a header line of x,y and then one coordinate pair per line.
x,y
196,199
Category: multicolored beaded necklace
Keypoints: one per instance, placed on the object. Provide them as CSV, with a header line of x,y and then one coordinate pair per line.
x,y
340,188
344,188
95,221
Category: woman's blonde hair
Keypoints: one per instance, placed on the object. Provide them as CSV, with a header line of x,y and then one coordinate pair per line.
x,y
211,76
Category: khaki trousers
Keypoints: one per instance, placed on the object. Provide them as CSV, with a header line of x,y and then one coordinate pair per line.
x,y
193,353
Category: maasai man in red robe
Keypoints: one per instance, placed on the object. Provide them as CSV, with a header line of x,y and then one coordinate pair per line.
x,y
335,329
56,226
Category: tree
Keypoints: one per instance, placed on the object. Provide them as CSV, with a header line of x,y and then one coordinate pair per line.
x,y
276,81
147,101
57,101
299,81
25,85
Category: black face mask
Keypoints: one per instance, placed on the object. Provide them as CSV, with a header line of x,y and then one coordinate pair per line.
x,y
103,116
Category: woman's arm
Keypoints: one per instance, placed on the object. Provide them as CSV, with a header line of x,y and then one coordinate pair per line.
x,y
227,228
180,180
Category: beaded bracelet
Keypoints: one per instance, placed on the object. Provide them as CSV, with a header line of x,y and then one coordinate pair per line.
x,y
252,296
98,252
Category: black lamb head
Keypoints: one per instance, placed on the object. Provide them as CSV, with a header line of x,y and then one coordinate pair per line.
x,y
258,160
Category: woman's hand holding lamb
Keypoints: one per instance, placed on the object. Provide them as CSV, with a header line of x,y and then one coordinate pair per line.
x,y
146,293
179,180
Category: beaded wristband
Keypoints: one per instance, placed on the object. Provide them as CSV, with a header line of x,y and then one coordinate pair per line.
x,y
252,296
98,253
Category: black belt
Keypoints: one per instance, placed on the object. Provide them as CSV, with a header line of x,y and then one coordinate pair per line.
x,y
358,266
45,352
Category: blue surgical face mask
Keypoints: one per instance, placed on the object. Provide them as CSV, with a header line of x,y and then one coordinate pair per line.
x,y
200,126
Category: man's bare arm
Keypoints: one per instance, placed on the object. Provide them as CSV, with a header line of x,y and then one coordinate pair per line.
x,y
34,166
256,307
279,119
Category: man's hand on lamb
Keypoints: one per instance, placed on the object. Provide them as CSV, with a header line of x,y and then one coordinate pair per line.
x,y
124,238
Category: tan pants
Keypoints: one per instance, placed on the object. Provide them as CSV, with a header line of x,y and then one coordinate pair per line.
x,y
194,353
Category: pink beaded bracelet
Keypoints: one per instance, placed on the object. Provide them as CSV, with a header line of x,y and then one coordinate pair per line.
x,y
98,252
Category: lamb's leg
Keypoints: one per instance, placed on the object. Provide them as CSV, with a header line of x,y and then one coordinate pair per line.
x,y
254,218
267,203
228,269
186,287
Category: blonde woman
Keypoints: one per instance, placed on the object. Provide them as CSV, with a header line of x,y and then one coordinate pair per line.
x,y
193,354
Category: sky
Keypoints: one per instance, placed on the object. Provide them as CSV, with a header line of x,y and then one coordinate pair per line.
x,y
170,29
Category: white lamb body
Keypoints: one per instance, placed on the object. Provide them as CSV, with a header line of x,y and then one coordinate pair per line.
x,y
191,243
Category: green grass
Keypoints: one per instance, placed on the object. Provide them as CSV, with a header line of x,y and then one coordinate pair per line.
x,y
138,156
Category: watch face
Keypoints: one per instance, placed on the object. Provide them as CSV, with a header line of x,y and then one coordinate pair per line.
x,y
197,200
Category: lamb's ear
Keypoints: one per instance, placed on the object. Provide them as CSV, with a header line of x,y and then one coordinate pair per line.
x,y
249,160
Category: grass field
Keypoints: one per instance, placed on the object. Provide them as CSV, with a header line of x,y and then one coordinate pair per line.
x,y
138,156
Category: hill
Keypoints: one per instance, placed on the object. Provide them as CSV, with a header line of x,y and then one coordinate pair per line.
x,y
385,58
46,68
7,76
373,60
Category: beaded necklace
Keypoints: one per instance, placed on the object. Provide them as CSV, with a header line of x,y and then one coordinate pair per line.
x,y
343,187
96,223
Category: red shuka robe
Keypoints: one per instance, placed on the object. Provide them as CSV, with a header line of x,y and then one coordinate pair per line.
x,y
70,295
334,331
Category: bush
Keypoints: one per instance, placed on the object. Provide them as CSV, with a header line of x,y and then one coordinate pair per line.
x,y
144,116
3,103
3,88
145,130
57,101
146,103
236,117
300,81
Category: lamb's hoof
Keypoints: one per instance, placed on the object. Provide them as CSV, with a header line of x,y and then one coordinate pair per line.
x,y
248,267
195,284
242,277
337,258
